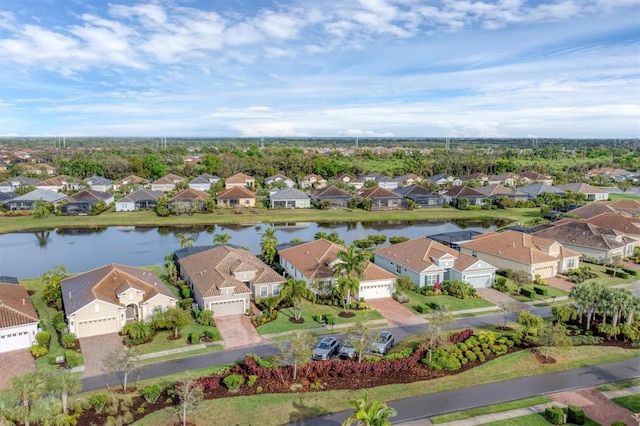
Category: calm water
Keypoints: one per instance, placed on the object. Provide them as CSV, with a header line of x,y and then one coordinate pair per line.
x,y
30,254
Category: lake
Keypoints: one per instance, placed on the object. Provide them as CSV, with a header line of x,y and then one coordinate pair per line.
x,y
30,254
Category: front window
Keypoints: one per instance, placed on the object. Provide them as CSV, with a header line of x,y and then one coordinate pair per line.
x,y
264,291
571,263
276,289
430,279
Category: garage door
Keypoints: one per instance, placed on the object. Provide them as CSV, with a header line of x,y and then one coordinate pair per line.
x,y
375,291
228,307
479,281
545,272
97,327
14,341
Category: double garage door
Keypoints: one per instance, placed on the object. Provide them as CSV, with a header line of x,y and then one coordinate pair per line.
x,y
479,281
97,327
375,291
228,307
14,341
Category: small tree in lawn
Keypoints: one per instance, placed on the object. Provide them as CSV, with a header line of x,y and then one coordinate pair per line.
x,y
432,337
552,335
616,262
441,317
529,322
296,351
520,279
171,319
123,361
296,290
361,338
190,393
507,307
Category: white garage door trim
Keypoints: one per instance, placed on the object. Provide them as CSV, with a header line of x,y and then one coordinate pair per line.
x,y
97,327
479,281
14,341
375,291
228,307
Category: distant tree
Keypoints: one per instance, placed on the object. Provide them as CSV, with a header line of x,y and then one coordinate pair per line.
x,y
377,239
42,209
624,185
398,239
185,240
268,246
221,238
162,206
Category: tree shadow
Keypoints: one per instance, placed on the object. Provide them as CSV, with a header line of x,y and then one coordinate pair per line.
x,y
304,409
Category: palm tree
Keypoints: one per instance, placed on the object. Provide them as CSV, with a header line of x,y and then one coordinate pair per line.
x,y
221,238
185,240
48,412
296,290
8,407
375,413
268,244
64,384
41,209
587,296
346,286
28,388
351,264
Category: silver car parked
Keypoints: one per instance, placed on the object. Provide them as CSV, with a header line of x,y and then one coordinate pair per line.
x,y
327,347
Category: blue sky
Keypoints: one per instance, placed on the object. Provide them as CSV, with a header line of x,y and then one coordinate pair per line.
x,y
330,68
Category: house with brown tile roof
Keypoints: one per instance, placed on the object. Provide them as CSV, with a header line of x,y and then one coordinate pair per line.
x,y
61,183
313,262
630,207
530,177
134,181
83,201
590,240
236,196
188,201
499,190
591,210
105,299
167,183
350,180
426,262
18,318
382,199
239,180
508,179
591,192
522,252
223,278
629,226
332,196
454,194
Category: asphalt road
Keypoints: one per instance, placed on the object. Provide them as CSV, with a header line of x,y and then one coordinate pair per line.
x,y
232,355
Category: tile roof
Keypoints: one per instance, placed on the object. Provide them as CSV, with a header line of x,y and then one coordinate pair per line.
x,y
517,246
98,180
462,191
235,193
205,178
591,209
142,195
534,175
499,189
314,259
421,253
41,194
131,179
540,188
191,195
89,195
618,221
414,191
239,178
57,181
105,282
582,188
584,234
15,306
212,269
289,194
169,179
377,192
330,192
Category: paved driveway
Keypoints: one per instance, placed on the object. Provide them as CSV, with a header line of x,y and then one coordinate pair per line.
x,y
394,312
596,406
15,363
237,330
95,349
496,297
560,283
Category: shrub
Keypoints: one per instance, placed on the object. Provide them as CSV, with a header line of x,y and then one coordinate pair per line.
x,y
98,401
461,336
252,380
586,340
72,358
501,284
52,360
527,292
630,271
60,326
57,317
329,319
541,290
43,338
575,415
622,274
423,309
233,382
68,340
38,351
209,334
259,389
401,297
504,272
460,289
194,337
152,393
554,415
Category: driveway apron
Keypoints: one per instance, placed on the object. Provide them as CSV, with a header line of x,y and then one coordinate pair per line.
x,y
95,349
15,363
596,406
494,296
237,330
394,312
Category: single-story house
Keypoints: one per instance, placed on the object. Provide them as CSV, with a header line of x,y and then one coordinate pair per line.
x,y
445,179
141,199
421,196
290,198
539,188
350,180
223,278
239,180
28,200
519,251
203,182
529,177
11,184
481,178
133,181
61,183
236,196
313,262
382,199
99,183
188,201
312,181
409,179
590,240
18,319
454,194
268,181
621,222
82,202
427,262
335,197
591,192
508,179
105,299
167,183
498,190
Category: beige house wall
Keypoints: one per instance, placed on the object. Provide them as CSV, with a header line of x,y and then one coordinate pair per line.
x,y
504,263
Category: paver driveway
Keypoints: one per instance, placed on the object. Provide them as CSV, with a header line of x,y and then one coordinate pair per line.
x,y
394,312
596,406
237,330
494,296
95,349
15,363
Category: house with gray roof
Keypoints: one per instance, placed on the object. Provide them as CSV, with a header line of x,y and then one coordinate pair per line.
x,y
82,202
331,196
99,183
11,184
142,199
268,181
28,200
591,192
203,182
420,196
498,190
539,188
289,198
105,299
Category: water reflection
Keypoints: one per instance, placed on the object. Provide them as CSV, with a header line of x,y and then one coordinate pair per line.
x,y
42,237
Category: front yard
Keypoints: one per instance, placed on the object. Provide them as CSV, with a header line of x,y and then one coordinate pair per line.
x,y
452,303
282,323
163,340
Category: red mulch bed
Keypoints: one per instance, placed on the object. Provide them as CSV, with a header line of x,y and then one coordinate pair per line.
x,y
296,321
346,315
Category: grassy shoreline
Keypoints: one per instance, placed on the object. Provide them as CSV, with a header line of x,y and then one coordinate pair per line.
x,y
9,224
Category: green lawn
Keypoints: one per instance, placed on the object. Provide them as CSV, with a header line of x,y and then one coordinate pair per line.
x,y
282,323
551,292
533,420
606,279
618,385
631,402
496,408
161,341
616,197
452,303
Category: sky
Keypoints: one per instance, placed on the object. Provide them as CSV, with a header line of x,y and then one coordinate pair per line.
x,y
320,68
